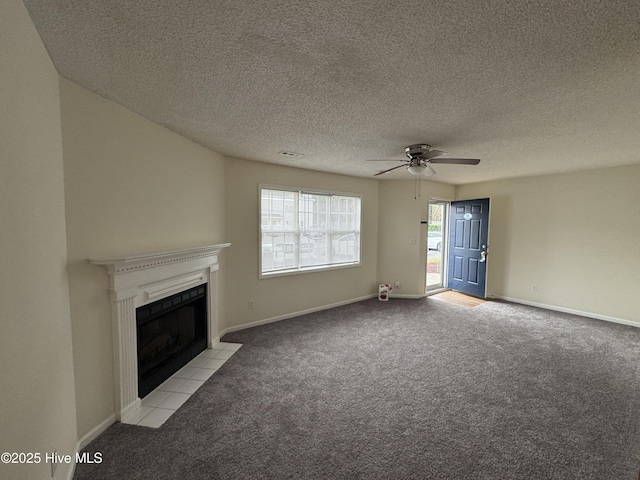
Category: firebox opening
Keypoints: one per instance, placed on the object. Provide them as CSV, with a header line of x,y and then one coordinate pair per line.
x,y
170,332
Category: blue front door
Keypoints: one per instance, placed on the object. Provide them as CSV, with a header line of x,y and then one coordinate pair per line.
x,y
468,235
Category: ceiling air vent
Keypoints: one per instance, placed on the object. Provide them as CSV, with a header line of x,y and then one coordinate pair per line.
x,y
291,154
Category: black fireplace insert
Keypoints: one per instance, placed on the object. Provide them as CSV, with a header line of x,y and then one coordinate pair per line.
x,y
171,332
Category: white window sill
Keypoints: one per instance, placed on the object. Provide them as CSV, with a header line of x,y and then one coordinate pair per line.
x,y
302,270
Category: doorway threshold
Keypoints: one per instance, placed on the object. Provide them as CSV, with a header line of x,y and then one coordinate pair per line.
x,y
436,291
458,298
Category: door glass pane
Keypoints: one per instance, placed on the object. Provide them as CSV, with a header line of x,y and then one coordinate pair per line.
x,y
436,244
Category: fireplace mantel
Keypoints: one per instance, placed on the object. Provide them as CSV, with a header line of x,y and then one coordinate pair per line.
x,y
138,279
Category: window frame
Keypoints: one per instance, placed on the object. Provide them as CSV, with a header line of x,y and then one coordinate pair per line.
x,y
297,270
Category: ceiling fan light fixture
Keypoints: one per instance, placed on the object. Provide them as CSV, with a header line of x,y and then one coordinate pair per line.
x,y
422,169
428,171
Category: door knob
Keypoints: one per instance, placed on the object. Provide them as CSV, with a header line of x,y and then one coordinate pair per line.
x,y
483,256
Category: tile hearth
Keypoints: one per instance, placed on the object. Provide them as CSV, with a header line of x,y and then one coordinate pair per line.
x,y
160,404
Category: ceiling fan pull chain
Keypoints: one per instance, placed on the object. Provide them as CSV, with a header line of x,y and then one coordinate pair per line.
x,y
417,187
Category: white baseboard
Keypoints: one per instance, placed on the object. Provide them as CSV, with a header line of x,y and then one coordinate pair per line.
x,y
129,409
88,438
571,311
407,295
72,470
96,431
294,314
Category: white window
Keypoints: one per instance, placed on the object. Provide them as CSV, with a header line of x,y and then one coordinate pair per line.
x,y
304,231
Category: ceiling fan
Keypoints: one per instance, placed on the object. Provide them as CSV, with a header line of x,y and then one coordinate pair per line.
x,y
421,156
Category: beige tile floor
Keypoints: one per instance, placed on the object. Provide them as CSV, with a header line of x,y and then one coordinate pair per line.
x,y
160,404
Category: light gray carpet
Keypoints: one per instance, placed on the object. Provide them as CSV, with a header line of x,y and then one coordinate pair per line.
x,y
403,389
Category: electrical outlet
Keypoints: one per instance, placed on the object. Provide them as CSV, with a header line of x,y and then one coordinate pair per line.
x,y
250,305
397,285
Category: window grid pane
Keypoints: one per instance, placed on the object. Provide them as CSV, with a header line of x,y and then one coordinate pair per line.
x,y
305,230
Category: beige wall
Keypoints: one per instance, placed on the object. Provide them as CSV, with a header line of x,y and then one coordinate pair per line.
x,y
130,185
575,236
400,217
36,365
278,296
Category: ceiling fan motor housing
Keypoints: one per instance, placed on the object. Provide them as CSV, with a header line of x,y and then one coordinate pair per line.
x,y
417,151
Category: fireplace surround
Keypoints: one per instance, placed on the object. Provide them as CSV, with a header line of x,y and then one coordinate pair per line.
x,y
136,280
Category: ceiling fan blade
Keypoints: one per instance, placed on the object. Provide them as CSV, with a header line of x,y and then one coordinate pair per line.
x,y
385,171
433,154
385,160
456,161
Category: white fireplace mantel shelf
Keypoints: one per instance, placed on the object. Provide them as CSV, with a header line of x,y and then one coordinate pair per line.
x,y
138,279
122,264
137,261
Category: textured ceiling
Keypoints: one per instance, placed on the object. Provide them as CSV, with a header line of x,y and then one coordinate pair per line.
x,y
530,86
